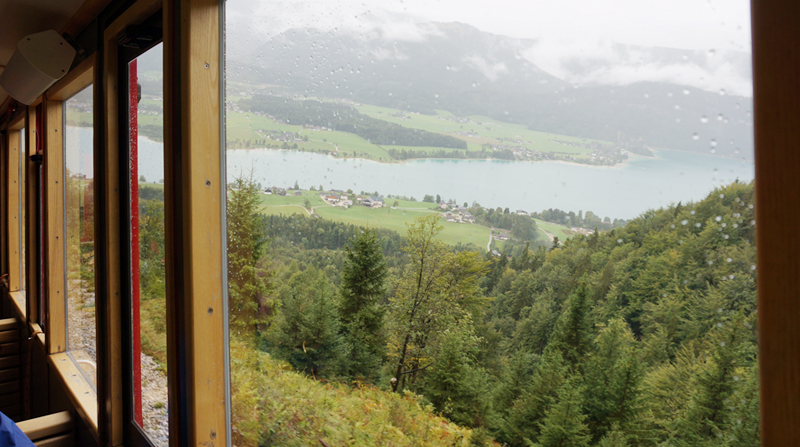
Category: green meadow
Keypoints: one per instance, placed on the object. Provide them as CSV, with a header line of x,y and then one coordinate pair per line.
x,y
395,219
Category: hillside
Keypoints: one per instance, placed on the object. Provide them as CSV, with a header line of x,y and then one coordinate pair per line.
x,y
461,69
642,335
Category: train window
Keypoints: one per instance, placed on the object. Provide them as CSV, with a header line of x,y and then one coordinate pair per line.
x,y
487,221
79,223
147,257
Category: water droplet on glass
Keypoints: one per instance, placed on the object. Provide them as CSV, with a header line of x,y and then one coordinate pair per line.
x,y
684,222
719,325
722,92
692,212
714,144
698,224
685,92
712,52
703,119
695,136
619,241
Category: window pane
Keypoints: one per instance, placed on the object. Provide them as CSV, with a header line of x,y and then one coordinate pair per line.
x,y
147,244
463,222
79,209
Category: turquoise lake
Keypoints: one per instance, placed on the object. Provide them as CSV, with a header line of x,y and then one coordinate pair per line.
x,y
623,191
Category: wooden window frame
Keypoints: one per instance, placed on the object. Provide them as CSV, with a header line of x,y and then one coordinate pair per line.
x,y
80,391
12,192
195,208
194,190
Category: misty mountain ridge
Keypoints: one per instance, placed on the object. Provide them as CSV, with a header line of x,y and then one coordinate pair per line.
x,y
459,68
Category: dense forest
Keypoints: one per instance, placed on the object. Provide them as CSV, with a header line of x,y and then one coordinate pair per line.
x,y
569,218
638,336
347,119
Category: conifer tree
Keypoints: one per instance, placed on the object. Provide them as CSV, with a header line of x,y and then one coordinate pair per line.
x,y
573,335
247,280
307,330
613,376
563,425
360,310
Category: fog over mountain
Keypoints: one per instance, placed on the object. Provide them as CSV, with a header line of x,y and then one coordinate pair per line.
x,y
659,97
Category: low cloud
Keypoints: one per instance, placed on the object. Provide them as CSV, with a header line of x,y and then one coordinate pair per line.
x,y
607,63
490,70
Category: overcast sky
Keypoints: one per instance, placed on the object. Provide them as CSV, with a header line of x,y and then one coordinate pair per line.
x,y
563,29
688,24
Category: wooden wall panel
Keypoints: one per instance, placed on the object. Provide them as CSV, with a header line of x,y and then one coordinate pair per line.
x,y
31,243
194,224
55,276
776,61
13,211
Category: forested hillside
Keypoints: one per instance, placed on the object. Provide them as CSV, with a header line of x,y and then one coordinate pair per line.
x,y
642,335
341,117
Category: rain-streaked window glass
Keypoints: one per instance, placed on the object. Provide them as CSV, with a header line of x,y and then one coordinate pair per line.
x,y
147,259
467,223
79,222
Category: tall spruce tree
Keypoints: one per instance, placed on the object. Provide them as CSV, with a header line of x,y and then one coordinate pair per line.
x,y
248,281
563,424
360,310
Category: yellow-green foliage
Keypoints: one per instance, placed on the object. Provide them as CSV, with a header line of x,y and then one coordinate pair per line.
x,y
153,329
275,405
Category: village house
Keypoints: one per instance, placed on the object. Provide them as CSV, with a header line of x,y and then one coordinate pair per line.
x,y
522,213
377,202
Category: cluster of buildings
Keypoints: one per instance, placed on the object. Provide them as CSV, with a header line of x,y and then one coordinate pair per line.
x,y
281,191
337,197
454,213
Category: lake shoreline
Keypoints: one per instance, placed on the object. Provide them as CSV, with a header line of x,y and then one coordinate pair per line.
x,y
631,157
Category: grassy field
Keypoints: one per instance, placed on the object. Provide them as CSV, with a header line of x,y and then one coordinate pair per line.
x,y
488,130
393,219
559,231
248,126
244,126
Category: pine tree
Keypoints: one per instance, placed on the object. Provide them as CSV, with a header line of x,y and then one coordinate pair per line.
x,y
563,425
613,376
360,309
573,335
524,417
247,280
307,330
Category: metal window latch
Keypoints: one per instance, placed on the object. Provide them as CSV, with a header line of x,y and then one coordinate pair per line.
x,y
139,36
